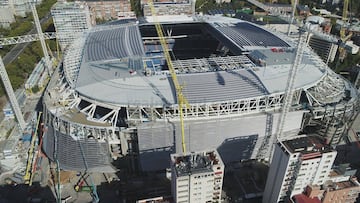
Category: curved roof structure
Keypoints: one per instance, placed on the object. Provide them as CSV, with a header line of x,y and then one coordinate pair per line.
x,y
111,65
114,94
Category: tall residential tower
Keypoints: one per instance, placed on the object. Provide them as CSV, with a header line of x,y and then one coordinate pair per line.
x,y
295,164
71,19
197,177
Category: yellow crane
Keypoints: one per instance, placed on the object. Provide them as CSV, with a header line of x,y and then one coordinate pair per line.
x,y
28,172
182,101
343,36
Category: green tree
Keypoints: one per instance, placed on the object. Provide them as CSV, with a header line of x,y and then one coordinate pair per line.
x,y
136,7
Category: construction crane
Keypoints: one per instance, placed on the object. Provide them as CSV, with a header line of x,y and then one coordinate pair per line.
x,y
182,101
26,38
28,171
294,3
4,76
271,138
289,91
343,36
12,98
41,38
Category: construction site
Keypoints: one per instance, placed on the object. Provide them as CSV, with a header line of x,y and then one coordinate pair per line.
x,y
128,94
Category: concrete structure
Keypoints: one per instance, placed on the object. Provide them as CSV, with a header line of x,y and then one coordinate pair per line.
x,y
174,7
113,95
71,19
197,177
297,163
325,49
110,9
351,47
37,77
6,17
18,7
342,186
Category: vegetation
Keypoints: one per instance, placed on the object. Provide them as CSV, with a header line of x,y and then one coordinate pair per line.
x,y
35,89
136,7
349,61
21,68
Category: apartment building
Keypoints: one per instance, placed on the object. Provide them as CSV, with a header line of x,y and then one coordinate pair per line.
x,y
197,177
297,163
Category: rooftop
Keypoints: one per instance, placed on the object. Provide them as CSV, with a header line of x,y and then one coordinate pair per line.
x,y
195,162
305,145
253,62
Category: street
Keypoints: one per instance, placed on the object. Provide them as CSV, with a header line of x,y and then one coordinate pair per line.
x,y
19,48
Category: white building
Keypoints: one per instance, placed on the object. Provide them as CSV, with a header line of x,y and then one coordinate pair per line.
x,y
197,177
71,19
18,7
6,17
297,163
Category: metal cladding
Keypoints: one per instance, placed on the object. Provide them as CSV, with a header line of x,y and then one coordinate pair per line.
x,y
114,97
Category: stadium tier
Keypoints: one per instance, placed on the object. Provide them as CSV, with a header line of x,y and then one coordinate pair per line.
x,y
113,97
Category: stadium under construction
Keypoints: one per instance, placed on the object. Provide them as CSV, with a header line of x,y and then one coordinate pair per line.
x,y
113,97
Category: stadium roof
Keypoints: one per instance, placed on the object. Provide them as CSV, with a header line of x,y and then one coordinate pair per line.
x,y
112,67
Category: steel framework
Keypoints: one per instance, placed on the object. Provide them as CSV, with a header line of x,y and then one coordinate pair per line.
x,y
26,38
10,92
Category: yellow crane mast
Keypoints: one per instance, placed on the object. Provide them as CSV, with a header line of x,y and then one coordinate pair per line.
x,y
28,172
182,101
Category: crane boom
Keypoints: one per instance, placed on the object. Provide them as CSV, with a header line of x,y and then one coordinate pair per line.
x,y
26,38
182,101
22,39
289,91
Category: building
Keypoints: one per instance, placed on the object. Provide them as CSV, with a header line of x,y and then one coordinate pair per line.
x,y
18,7
297,163
110,9
325,49
6,17
71,19
113,96
37,77
342,186
303,10
174,7
197,177
320,40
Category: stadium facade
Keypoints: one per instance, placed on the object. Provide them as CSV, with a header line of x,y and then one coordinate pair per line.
x,y
113,96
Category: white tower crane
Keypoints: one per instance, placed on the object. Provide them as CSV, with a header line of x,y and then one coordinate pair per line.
x,y
289,91
12,98
5,78
41,38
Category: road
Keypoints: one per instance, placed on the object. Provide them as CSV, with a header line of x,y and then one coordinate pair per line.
x,y
19,48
